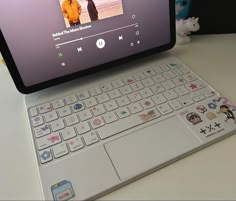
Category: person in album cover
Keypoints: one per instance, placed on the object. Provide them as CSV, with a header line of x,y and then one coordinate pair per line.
x,y
71,10
93,13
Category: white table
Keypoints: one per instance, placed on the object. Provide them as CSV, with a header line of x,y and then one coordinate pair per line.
x,y
209,174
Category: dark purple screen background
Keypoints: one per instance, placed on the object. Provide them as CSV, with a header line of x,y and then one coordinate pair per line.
x,y
28,26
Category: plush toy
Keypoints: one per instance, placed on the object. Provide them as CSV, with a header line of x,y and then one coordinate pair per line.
x,y
184,29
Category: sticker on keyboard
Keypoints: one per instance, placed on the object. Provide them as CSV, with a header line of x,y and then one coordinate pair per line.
x,y
62,191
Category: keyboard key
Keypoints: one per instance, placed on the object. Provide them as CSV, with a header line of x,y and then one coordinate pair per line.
x,y
147,103
95,91
97,122
71,99
33,112
114,94
208,92
106,87
75,144
196,94
48,141
148,82
158,69
37,121
57,125
110,117
111,105
137,86
159,99
50,116
170,95
118,84
181,90
149,73
82,127
103,98
199,98
126,90
90,138
123,101
164,109
68,133
41,131
158,78
45,156
129,80
83,95
168,85
195,85
169,75
179,81
185,100
58,104
165,67
60,150
139,76
45,108
190,77
90,102
135,108
65,111
78,107
145,93
98,110
85,115
134,97
177,72
184,70
175,105
157,89
174,65
122,112
71,120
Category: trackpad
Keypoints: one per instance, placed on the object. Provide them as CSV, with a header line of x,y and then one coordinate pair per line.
x,y
150,147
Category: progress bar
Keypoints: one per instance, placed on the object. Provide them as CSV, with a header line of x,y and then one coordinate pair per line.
x,y
80,39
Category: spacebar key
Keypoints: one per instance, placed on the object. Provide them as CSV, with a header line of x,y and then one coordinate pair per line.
x,y
127,123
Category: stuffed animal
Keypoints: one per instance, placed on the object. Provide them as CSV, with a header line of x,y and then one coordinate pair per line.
x,y
184,29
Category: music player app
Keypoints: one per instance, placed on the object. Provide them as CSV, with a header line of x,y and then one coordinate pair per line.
x,y
73,35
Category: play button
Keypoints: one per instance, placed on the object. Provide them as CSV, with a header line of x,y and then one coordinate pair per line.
x,y
101,43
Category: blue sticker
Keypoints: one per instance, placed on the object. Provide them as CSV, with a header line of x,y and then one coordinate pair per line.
x,y
78,106
46,155
62,191
212,106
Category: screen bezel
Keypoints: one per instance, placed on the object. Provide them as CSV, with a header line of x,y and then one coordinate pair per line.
x,y
6,53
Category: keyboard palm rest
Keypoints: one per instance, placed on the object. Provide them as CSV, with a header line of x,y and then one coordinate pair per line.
x,y
150,147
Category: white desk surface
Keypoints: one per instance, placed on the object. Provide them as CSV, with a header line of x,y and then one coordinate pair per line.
x,y
209,174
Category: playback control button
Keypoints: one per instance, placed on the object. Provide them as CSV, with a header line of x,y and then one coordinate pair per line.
x,y
101,43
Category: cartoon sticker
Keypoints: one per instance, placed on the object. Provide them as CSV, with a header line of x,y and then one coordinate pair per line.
x,y
194,118
229,114
211,115
62,191
224,101
148,116
201,109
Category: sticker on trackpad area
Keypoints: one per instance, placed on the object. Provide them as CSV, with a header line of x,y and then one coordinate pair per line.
x,y
62,191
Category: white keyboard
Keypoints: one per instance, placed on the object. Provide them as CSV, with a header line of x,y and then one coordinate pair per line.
x,y
71,123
